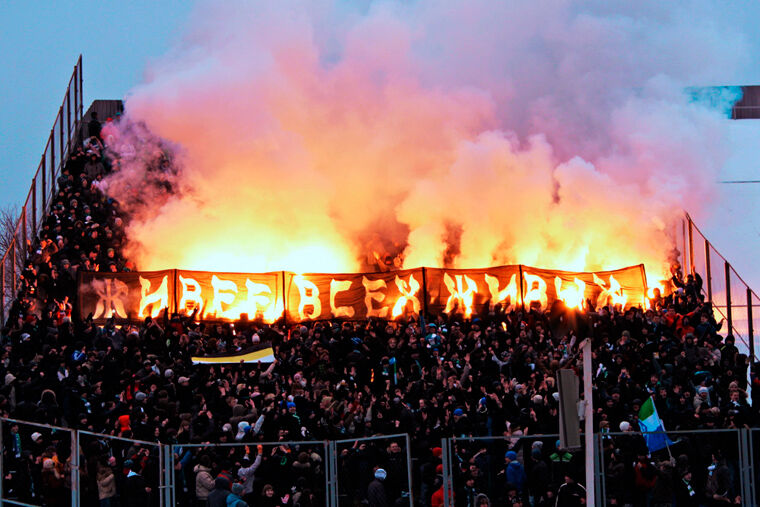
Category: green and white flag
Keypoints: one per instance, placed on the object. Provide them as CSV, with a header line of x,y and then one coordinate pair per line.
x,y
649,421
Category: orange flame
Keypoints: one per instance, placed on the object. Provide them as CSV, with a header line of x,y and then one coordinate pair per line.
x,y
571,296
460,296
408,291
613,293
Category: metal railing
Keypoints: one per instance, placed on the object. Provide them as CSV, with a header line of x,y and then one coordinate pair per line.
x,y
730,295
64,133
337,472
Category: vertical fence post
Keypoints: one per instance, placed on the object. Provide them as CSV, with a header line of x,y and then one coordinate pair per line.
x,y
334,482
750,327
68,120
61,144
44,183
2,448
409,469
601,487
166,455
448,483
171,498
728,298
2,313
13,265
76,99
81,91
683,247
75,490
24,250
52,160
708,270
691,246
746,473
34,205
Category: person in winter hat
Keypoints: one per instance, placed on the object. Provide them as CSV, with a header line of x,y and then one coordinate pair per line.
x,y
376,494
234,498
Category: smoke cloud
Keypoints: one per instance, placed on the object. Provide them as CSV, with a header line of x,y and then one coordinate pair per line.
x,y
313,136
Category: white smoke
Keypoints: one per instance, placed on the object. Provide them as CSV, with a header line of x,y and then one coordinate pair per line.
x,y
558,134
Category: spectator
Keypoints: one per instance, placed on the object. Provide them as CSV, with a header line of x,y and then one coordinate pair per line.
x,y
218,496
376,494
234,498
204,482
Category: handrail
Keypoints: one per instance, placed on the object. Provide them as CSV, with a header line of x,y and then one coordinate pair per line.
x,y
64,132
727,272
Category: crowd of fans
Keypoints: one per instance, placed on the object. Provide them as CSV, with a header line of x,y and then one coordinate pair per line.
x,y
490,376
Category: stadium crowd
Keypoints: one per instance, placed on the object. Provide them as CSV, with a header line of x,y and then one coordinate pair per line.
x,y
491,376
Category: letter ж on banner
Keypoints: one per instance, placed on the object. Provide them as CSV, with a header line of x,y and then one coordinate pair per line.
x,y
125,297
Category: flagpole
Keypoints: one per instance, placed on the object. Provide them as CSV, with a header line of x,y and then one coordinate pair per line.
x,y
588,411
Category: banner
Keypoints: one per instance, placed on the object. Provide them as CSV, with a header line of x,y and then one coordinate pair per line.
x,y
265,355
125,296
356,296
230,296
543,287
267,297
471,291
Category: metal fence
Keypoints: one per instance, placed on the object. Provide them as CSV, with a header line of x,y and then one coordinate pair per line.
x,y
48,465
299,472
703,464
732,298
64,134
39,464
524,468
358,462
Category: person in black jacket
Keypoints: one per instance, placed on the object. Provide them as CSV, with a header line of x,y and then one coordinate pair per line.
x,y
136,490
376,495
218,495
93,126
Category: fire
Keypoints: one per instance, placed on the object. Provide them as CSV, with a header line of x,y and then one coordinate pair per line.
x,y
462,293
613,293
573,297
408,291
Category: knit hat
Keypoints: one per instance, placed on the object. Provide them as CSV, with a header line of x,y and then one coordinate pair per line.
x,y
511,455
380,474
625,426
237,489
458,412
243,427
36,436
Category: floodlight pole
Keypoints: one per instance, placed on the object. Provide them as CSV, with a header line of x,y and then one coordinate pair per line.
x,y
588,411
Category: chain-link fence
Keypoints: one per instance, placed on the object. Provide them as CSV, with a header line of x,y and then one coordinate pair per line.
x,y
38,464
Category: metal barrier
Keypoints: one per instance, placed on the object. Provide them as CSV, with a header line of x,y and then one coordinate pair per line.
x,y
66,130
700,464
38,464
43,464
731,297
528,468
359,458
105,461
291,470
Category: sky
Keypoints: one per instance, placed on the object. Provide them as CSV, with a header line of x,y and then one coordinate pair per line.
x,y
39,45
41,42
